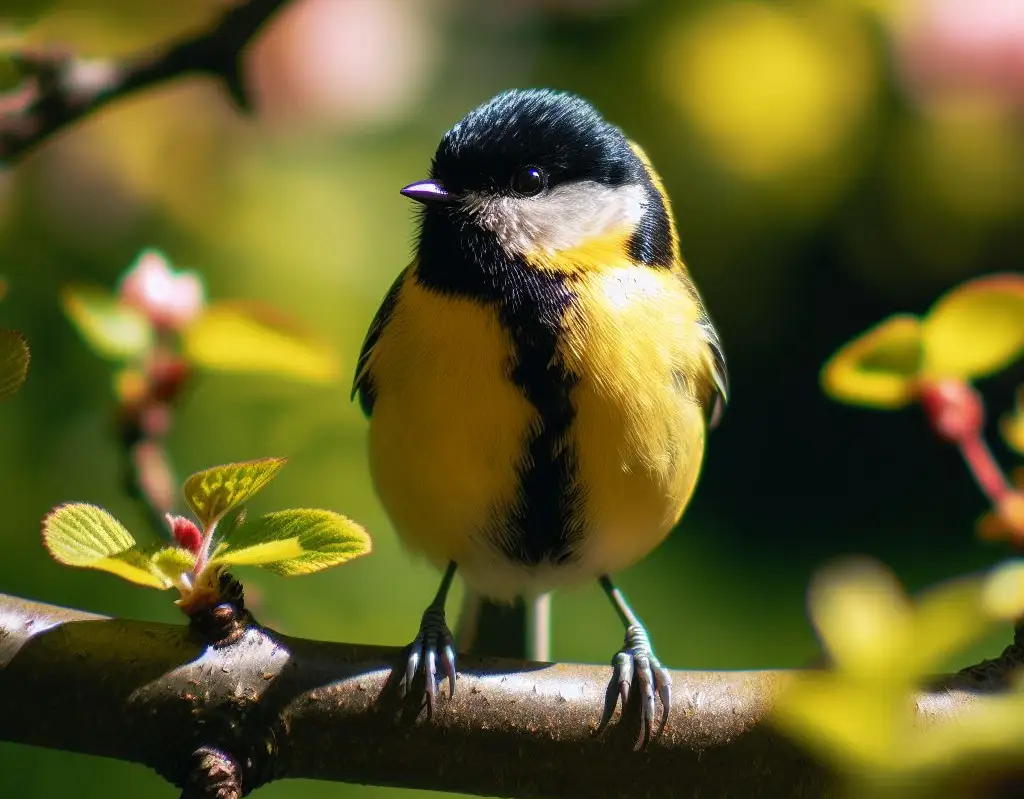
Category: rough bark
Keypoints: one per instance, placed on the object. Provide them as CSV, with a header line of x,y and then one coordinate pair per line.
x,y
267,706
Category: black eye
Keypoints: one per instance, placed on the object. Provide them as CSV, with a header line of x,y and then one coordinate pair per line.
x,y
529,181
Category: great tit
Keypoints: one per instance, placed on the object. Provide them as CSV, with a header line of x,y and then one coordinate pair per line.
x,y
540,379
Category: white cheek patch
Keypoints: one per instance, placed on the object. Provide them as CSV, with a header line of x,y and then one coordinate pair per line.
x,y
565,217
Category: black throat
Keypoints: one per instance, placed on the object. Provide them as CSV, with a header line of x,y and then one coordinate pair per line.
x,y
461,259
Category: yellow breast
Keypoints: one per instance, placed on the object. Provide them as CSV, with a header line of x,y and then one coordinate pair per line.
x,y
447,426
639,429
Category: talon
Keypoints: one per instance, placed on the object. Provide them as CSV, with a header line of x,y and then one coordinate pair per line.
x,y
637,669
412,665
663,682
623,664
433,643
448,661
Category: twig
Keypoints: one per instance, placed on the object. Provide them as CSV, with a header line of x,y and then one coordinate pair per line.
x,y
60,89
284,707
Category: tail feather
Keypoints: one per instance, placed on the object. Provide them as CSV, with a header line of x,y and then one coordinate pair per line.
x,y
500,629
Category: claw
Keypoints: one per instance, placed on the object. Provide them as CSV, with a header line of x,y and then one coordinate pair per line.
x,y
663,682
433,642
635,666
448,661
623,664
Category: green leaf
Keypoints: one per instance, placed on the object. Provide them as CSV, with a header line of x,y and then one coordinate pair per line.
x,y
213,492
292,542
86,536
14,358
109,327
251,338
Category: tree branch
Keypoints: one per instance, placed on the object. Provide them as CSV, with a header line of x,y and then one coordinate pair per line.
x,y
271,707
61,89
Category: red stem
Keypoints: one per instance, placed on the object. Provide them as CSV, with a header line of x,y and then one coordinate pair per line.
x,y
987,473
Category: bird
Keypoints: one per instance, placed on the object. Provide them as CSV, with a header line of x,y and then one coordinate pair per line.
x,y
541,378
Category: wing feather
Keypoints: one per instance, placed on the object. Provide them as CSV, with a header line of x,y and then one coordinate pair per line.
x,y
362,383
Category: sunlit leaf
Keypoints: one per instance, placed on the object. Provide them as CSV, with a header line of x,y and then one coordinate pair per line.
x,y
213,492
862,616
947,619
292,542
86,536
14,359
112,329
1012,424
172,562
245,337
1003,591
878,368
976,329
843,721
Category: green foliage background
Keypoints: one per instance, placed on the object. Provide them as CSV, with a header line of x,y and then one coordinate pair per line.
x,y
812,197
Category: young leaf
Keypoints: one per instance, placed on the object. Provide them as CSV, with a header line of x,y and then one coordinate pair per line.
x,y
213,492
14,358
292,542
246,337
88,537
109,327
878,368
172,562
976,329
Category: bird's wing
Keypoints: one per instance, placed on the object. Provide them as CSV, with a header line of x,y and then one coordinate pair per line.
x,y
719,372
361,383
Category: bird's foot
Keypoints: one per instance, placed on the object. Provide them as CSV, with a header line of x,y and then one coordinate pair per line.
x,y
636,668
433,642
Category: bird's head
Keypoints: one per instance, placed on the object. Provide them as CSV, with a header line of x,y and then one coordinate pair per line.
x,y
540,172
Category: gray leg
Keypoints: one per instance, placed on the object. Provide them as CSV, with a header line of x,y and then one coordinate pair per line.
x,y
635,664
433,641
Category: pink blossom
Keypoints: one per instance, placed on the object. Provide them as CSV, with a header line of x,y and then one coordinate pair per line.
x,y
170,299
963,46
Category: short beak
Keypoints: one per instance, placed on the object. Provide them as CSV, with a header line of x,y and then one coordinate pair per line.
x,y
427,191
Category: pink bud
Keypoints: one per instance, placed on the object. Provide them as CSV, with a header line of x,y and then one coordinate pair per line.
x,y
953,408
169,299
186,533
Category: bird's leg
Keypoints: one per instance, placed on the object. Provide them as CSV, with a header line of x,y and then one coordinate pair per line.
x,y
434,641
636,665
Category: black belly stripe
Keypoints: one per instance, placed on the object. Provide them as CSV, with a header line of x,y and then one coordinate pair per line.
x,y
543,524
531,305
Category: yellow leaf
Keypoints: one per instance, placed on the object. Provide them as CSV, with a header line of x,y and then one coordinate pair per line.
x,y
947,619
1003,591
863,618
134,567
112,329
213,492
976,329
1012,424
847,724
86,536
293,542
879,368
14,359
245,337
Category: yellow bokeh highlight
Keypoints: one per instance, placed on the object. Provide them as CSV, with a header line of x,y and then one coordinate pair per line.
x,y
251,338
1012,425
770,89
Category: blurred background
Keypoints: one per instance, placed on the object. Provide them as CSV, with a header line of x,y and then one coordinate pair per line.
x,y
830,162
